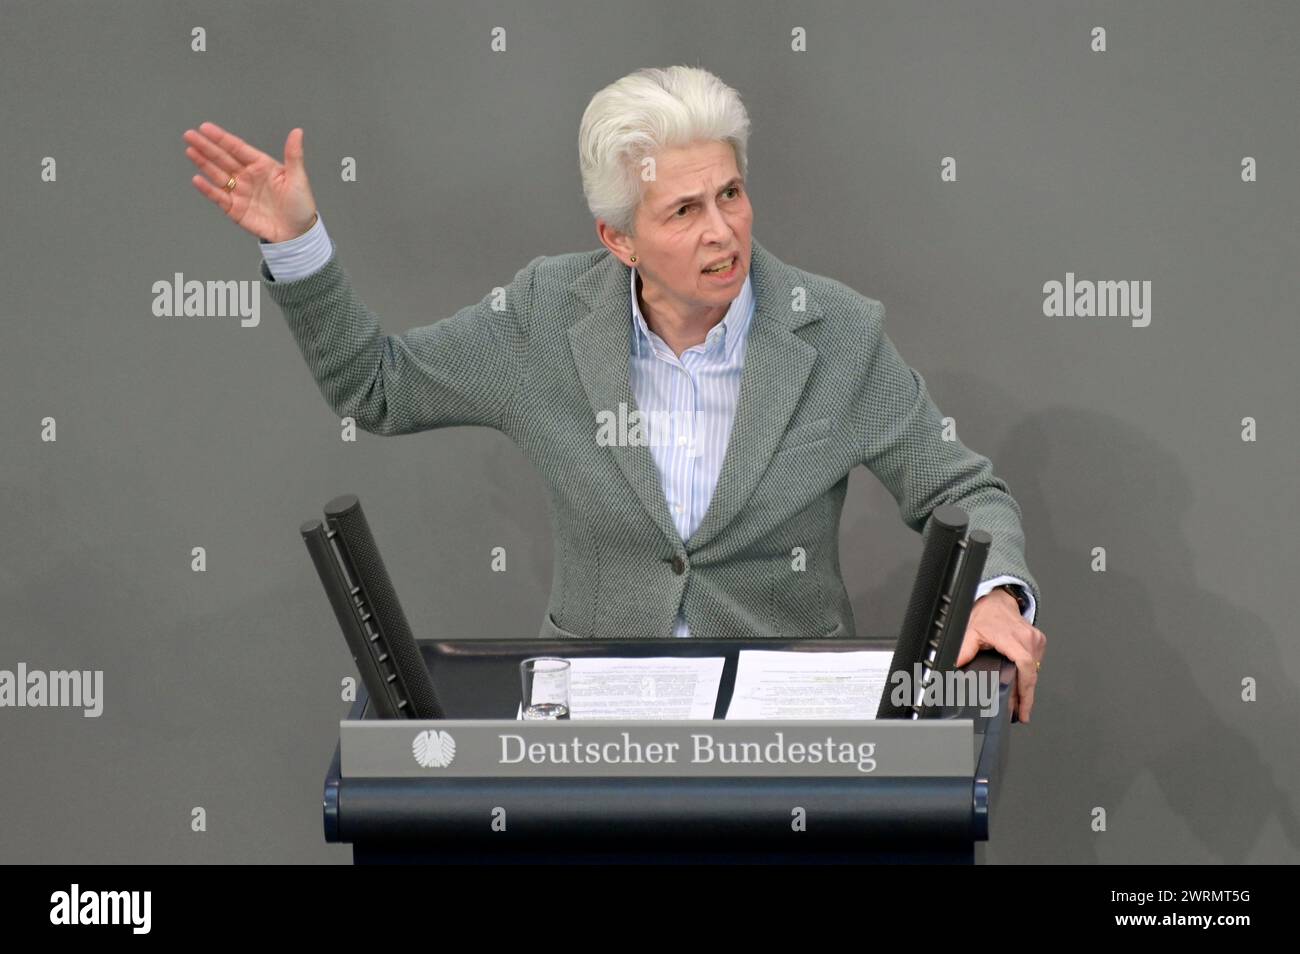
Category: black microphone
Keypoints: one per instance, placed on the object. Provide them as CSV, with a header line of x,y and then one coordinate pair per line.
x,y
369,613
950,627
939,555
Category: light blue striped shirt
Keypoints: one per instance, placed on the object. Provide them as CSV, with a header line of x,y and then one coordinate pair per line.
x,y
688,403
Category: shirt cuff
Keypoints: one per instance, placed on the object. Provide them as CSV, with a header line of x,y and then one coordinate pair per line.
x,y
988,585
298,257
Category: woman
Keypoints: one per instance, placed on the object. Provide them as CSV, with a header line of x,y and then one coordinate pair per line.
x,y
763,385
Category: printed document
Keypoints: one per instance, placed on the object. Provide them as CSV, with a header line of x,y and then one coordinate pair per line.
x,y
774,684
658,687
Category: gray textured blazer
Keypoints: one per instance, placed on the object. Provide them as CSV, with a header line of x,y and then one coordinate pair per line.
x,y
823,389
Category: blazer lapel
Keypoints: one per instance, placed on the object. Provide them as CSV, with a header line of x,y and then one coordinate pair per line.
x,y
777,365
601,344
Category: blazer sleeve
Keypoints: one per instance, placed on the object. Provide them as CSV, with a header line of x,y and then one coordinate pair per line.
x,y
905,449
464,369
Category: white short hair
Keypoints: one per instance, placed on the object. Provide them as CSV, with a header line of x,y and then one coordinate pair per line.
x,y
642,113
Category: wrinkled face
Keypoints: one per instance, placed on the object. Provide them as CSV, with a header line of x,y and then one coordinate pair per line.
x,y
694,212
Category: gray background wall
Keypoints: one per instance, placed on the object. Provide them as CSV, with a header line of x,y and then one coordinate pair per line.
x,y
173,433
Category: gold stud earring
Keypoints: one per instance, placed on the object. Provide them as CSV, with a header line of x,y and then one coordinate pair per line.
x,y
634,258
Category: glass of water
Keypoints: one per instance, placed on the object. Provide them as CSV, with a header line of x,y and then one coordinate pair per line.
x,y
546,687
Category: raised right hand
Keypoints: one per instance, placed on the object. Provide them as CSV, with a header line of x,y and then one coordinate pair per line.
x,y
270,200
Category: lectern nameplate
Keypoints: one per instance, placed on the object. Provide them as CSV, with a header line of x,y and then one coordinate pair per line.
x,y
509,748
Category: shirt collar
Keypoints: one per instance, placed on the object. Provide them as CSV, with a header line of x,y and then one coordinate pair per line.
x,y
732,328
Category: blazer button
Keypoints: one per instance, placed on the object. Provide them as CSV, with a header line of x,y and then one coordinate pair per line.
x,y
679,565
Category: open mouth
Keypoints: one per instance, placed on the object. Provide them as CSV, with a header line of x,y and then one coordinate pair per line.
x,y
725,270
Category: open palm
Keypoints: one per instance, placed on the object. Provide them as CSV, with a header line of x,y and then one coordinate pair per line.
x,y
271,200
